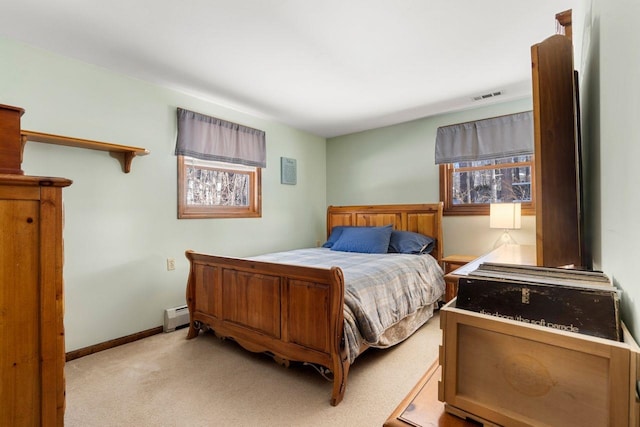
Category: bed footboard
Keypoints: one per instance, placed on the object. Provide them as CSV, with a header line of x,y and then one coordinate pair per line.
x,y
295,313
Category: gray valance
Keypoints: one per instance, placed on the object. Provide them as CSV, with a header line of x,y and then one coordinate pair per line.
x,y
497,137
209,138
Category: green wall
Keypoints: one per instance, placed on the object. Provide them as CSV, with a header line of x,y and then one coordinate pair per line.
x,y
395,164
120,228
610,95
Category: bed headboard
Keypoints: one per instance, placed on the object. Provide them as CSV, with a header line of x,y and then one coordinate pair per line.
x,y
420,218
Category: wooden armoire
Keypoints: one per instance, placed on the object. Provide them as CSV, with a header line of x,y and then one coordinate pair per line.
x,y
557,161
32,355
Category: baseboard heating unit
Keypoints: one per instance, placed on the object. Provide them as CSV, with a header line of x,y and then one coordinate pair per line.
x,y
175,318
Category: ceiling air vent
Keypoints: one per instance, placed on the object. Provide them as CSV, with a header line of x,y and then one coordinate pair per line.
x,y
487,95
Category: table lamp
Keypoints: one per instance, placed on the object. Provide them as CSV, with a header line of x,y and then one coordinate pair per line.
x,y
507,217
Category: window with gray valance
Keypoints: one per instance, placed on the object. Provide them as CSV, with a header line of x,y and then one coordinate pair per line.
x,y
208,138
219,167
498,137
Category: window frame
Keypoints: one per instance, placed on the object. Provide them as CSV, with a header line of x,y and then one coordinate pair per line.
x,y
253,210
446,194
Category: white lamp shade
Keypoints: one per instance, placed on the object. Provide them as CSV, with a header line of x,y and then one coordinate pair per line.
x,y
504,215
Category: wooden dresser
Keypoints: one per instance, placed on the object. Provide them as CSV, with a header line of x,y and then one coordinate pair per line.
x,y
32,389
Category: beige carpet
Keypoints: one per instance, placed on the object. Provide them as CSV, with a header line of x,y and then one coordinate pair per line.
x,y
165,380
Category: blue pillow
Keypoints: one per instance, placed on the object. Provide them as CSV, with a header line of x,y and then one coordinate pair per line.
x,y
336,232
369,240
408,242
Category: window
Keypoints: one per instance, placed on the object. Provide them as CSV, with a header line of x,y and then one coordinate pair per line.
x,y
486,161
467,188
208,189
219,167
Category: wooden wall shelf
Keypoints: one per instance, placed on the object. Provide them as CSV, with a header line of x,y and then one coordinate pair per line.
x,y
127,152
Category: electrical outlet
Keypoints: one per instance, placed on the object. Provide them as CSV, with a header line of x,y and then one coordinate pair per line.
x,y
171,264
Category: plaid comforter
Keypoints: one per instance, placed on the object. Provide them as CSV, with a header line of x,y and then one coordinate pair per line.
x,y
380,289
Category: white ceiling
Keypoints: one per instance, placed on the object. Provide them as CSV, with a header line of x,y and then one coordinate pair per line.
x,y
329,67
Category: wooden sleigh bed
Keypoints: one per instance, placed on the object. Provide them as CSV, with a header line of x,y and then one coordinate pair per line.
x,y
293,312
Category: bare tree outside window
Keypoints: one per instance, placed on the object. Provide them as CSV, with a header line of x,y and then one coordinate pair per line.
x,y
211,187
467,188
215,189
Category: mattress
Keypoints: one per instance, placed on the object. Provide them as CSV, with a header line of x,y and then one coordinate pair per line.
x,y
387,296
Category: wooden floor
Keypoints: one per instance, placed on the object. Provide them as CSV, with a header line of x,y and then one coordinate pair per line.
x,y
422,408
